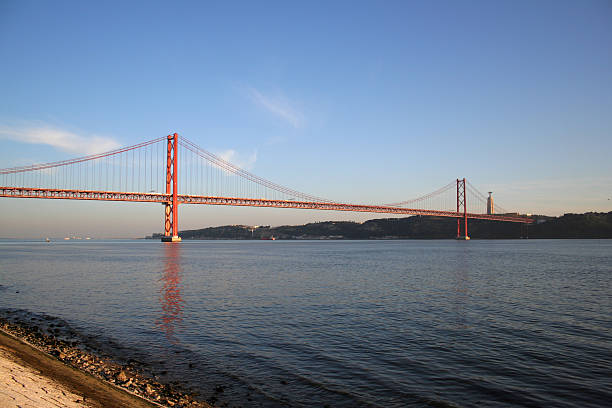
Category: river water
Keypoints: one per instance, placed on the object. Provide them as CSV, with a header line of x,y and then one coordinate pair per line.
x,y
336,323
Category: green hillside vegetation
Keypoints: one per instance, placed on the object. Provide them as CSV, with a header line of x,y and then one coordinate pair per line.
x,y
589,225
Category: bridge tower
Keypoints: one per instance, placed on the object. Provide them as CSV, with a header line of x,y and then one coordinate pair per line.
x,y
171,206
490,207
462,203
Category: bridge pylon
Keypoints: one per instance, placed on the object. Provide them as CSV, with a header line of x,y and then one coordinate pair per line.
x,y
171,206
462,204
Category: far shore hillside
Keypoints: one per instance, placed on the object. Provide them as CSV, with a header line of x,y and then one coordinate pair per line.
x,y
576,226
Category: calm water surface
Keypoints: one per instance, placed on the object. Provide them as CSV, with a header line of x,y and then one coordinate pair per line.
x,y
337,323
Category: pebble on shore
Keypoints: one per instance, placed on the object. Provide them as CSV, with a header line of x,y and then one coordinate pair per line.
x,y
124,377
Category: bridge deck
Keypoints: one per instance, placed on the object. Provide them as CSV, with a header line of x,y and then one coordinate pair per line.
x,y
47,193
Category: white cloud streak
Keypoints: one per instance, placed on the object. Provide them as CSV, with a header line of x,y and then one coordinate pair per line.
x,y
60,139
245,162
278,106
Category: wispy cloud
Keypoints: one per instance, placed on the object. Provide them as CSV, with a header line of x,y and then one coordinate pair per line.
x,y
279,106
40,133
243,161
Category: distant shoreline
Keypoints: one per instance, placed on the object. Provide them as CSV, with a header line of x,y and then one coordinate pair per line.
x,y
568,226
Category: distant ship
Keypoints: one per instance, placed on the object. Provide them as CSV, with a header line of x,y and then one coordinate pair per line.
x,y
272,238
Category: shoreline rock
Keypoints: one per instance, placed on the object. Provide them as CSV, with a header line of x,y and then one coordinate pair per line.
x,y
126,377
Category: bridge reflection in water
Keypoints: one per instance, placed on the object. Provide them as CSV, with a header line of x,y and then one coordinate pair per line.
x,y
170,296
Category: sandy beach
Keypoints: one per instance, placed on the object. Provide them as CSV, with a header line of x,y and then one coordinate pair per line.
x,y
23,386
40,370
31,378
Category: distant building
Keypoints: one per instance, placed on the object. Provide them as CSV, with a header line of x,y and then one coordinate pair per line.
x,y
490,208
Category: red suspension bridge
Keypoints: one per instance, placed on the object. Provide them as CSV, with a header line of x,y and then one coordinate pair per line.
x,y
152,172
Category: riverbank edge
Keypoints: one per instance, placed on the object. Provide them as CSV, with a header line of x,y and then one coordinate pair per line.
x,y
101,381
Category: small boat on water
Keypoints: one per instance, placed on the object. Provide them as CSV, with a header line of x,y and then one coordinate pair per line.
x,y
272,238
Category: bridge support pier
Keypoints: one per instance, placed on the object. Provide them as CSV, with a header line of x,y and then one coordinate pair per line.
x,y
462,202
524,231
171,207
171,239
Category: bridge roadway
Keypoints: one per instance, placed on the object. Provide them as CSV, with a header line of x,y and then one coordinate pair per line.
x,y
48,193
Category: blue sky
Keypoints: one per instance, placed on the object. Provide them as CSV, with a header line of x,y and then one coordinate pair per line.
x,y
356,101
